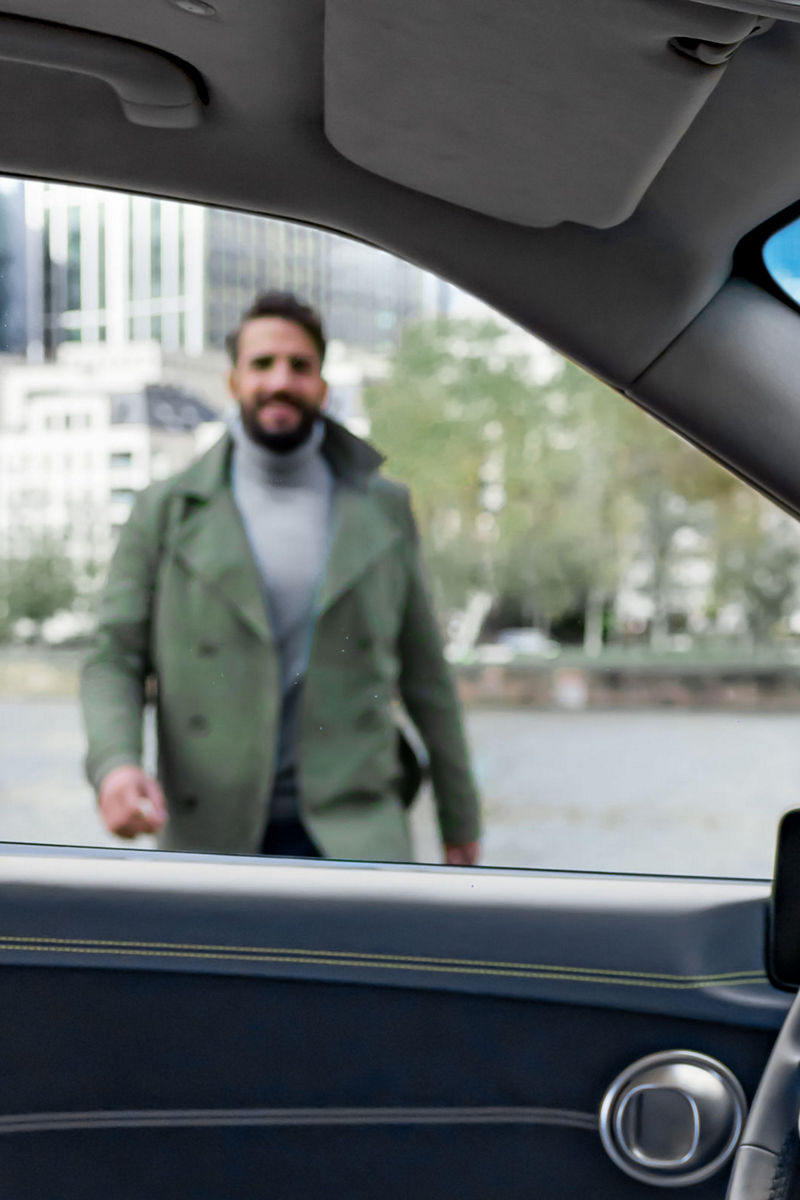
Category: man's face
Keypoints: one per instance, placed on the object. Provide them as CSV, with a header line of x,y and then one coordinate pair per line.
x,y
277,381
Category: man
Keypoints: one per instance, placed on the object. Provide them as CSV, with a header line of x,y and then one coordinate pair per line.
x,y
273,591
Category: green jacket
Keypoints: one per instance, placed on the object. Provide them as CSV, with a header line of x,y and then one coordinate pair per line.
x,y
183,604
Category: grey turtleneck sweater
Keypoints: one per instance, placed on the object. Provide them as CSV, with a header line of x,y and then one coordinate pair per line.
x,y
286,505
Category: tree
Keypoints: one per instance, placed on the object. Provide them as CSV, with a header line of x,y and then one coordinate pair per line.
x,y
453,403
565,524
542,495
757,550
513,497
38,585
636,485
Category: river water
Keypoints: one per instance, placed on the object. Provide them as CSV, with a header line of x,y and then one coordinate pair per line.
x,y
674,792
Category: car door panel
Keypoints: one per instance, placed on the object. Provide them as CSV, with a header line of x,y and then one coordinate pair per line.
x,y
350,1030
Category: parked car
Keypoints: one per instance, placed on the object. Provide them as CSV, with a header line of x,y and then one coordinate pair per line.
x,y
528,642
187,1027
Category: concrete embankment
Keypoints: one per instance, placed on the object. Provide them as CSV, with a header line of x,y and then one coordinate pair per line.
x,y
30,672
730,685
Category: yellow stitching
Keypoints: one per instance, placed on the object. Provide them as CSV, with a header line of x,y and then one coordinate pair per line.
x,y
558,975
369,958
522,973
266,954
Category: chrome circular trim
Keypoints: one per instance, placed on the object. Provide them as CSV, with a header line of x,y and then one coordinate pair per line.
x,y
657,1175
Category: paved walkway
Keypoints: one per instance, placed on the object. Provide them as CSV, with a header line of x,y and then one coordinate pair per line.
x,y
673,792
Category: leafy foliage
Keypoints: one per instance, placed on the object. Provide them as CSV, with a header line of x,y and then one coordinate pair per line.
x,y
553,497
37,586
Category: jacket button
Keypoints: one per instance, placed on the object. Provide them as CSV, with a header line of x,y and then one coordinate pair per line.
x,y
188,803
206,649
198,724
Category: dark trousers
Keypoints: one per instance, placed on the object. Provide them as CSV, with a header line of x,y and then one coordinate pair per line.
x,y
288,838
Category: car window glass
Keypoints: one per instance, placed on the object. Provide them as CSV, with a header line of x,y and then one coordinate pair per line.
x,y
620,615
782,259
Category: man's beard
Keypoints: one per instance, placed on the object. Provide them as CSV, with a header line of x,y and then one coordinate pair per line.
x,y
286,440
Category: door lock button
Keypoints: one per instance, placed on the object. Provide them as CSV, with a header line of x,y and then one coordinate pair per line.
x,y
659,1125
672,1119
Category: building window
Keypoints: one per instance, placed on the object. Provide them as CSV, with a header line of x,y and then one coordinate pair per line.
x,y
155,248
101,261
73,257
121,458
181,251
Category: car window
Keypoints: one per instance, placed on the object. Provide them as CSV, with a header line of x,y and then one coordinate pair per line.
x,y
782,259
620,615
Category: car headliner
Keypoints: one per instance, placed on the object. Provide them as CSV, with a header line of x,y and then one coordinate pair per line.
x,y
586,179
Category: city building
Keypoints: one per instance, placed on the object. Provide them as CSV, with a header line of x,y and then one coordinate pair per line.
x,y
80,435
113,268
17,291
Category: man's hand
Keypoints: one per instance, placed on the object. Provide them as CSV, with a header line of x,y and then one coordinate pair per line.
x,y
462,856
131,802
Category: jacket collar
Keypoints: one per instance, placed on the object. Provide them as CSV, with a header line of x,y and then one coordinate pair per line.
x,y
210,538
351,458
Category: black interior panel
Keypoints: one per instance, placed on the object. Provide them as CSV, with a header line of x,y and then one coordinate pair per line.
x,y
121,1040
186,1027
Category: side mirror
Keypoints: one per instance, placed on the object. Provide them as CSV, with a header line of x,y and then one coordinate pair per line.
x,y
783,943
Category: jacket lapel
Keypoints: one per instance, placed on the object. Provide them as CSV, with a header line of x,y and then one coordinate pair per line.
x,y
362,532
211,542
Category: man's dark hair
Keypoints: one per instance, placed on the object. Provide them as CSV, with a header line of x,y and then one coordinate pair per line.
x,y
288,308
